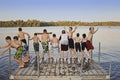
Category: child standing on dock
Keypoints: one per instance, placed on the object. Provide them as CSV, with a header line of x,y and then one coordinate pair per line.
x,y
45,44
55,45
36,41
84,45
64,44
77,43
24,53
89,40
21,35
71,41
19,50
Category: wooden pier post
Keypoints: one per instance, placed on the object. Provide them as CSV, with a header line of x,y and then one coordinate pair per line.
x,y
9,62
99,52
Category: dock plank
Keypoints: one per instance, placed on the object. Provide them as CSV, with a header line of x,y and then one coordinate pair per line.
x,y
62,71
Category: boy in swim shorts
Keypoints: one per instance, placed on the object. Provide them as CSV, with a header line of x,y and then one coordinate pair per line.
x,y
55,45
21,35
89,40
77,43
45,44
36,41
24,53
19,50
71,42
64,44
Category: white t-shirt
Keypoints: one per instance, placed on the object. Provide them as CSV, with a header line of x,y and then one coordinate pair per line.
x,y
64,39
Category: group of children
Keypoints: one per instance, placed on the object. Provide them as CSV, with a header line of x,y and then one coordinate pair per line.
x,y
66,39
20,46
68,42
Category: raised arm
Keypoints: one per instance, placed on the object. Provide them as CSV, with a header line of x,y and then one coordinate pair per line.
x,y
5,51
95,31
74,29
65,29
27,34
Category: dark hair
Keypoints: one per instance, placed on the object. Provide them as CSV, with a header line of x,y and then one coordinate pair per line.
x,y
19,29
63,31
78,35
91,28
84,35
35,34
8,38
15,37
54,35
71,28
45,31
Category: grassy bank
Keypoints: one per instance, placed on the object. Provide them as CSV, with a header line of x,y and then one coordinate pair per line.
x,y
37,23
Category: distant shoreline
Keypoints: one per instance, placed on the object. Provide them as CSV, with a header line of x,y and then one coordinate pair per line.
x,y
37,23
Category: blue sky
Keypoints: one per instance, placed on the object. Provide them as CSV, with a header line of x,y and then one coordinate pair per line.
x,y
60,10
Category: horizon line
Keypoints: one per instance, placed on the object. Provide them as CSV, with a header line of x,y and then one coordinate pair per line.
x,y
62,20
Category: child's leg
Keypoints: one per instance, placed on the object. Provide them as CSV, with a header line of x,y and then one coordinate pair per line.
x,y
42,54
38,57
26,58
28,54
75,54
67,54
37,53
82,53
89,53
58,55
48,54
53,55
63,54
76,51
20,63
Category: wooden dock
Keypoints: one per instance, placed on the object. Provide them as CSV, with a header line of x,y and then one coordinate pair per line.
x,y
57,70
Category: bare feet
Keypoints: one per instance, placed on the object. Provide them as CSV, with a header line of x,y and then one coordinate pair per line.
x,y
21,66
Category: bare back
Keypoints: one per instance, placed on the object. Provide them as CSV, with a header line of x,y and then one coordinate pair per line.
x,y
90,36
45,37
77,39
36,39
55,40
14,45
84,40
17,42
21,35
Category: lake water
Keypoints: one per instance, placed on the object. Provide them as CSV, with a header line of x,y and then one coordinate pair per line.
x,y
108,36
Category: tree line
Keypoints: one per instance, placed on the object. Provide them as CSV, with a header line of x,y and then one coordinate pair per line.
x,y
37,23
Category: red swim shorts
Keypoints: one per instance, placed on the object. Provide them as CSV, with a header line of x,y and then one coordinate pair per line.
x,y
89,45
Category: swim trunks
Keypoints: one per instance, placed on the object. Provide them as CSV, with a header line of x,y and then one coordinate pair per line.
x,y
53,49
64,47
77,46
36,46
24,41
19,52
45,46
71,43
89,45
84,45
